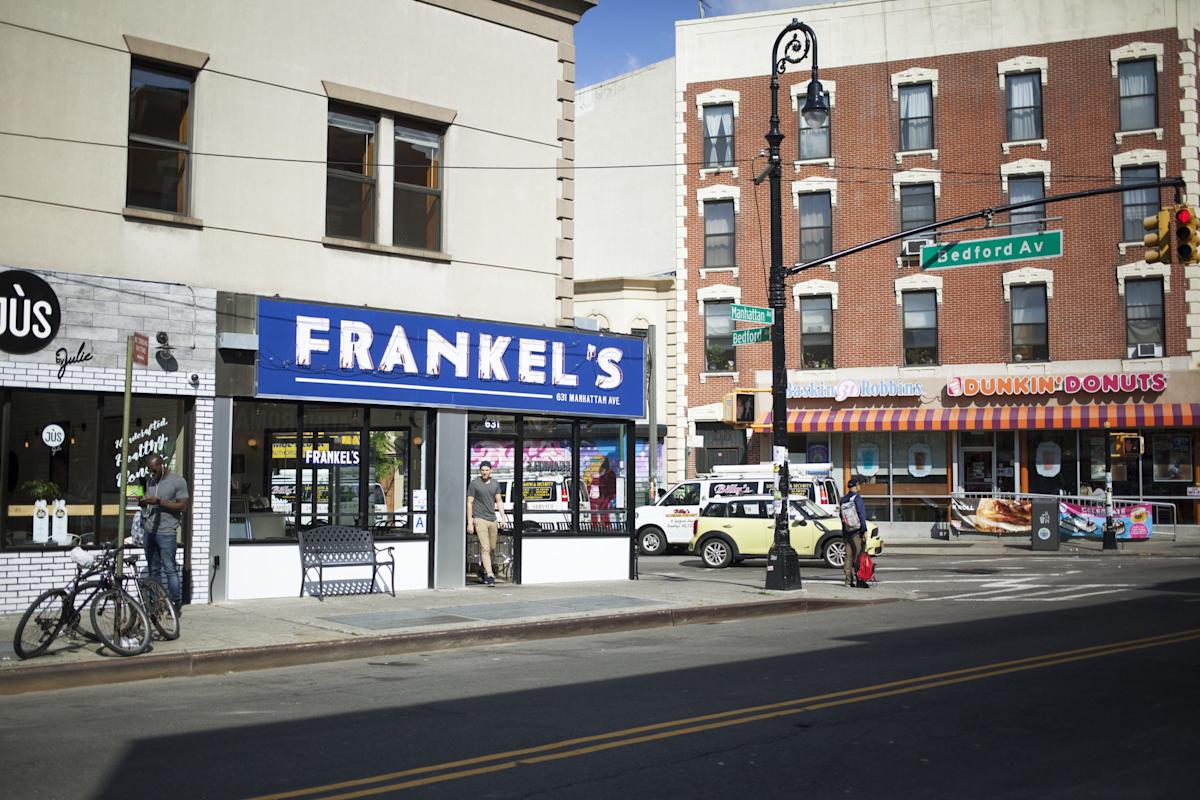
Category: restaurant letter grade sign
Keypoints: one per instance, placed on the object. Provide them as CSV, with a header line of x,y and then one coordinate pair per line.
x,y
331,352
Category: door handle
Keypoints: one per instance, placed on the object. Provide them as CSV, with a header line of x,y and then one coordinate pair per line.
x,y
726,525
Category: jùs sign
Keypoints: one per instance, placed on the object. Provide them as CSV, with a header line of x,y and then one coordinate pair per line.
x,y
30,313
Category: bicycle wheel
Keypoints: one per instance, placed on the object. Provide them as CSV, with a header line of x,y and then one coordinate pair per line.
x,y
120,622
40,623
74,619
159,608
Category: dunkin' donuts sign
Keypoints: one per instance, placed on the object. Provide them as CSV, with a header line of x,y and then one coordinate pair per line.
x,y
1119,383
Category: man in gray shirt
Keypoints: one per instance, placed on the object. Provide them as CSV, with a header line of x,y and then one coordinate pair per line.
x,y
483,504
165,501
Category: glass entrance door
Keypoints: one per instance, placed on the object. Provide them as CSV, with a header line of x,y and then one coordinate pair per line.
x,y
978,470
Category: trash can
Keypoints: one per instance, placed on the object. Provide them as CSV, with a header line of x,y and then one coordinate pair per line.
x,y
1045,525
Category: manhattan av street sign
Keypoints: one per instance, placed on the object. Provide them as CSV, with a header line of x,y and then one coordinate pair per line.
x,y
1020,247
741,313
751,336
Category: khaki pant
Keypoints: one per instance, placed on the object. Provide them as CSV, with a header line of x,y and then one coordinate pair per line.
x,y
487,530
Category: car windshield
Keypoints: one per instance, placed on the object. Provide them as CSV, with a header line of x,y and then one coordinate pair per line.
x,y
809,509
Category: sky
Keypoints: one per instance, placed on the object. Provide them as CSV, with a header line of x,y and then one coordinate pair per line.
x,y
618,36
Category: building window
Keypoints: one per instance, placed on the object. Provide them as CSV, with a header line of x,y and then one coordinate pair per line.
x,y
350,175
816,226
814,142
718,136
160,122
1030,335
417,191
816,332
718,338
1024,118
1021,190
916,117
1139,94
718,234
1145,332
920,328
1137,204
916,206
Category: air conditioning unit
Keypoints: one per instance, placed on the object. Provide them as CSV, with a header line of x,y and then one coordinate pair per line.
x,y
912,247
1145,350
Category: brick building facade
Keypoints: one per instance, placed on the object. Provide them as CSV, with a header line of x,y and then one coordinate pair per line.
x,y
933,116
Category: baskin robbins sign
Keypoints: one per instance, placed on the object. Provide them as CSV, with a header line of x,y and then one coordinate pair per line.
x,y
1118,383
370,355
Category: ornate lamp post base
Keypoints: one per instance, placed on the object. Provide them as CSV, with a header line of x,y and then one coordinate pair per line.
x,y
783,568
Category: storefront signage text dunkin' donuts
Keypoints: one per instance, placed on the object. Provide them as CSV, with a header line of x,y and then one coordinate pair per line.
x,y
1119,383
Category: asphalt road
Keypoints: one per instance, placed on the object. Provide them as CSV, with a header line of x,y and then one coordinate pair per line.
x,y
1014,676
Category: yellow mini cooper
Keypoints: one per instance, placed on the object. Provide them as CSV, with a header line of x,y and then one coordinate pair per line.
x,y
744,527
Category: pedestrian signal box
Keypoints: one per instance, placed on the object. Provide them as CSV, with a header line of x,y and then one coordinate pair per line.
x,y
740,407
1122,445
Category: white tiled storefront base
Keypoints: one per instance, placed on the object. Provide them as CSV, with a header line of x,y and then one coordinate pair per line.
x,y
25,575
273,570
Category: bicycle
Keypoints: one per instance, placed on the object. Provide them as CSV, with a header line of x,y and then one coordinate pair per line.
x,y
118,619
154,600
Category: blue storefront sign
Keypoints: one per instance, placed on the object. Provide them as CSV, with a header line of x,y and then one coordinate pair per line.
x,y
331,352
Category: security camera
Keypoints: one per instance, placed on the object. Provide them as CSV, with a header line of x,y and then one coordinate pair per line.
x,y
194,379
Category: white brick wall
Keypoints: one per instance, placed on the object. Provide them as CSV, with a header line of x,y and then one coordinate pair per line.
x,y
99,313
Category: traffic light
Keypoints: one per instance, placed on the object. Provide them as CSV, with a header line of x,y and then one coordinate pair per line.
x,y
1125,445
739,408
1158,241
1187,241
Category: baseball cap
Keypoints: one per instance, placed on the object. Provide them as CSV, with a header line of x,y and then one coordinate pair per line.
x,y
853,482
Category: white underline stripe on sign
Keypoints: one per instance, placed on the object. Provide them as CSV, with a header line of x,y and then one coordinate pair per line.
x,y
383,385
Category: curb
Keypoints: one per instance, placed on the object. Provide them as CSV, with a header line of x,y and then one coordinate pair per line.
x,y
247,659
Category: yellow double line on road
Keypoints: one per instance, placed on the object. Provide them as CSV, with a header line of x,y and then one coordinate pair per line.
x,y
586,745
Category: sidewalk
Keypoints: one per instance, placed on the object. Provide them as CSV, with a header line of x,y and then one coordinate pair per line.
x,y
261,634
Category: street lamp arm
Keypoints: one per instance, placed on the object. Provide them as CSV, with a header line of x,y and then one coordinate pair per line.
x,y
1177,183
796,50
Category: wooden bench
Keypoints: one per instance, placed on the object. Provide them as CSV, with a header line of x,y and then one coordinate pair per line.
x,y
338,546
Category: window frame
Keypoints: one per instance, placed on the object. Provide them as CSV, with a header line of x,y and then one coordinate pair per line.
x,y
1147,208
729,136
1021,290
1038,212
904,298
804,362
732,235
1153,62
1161,318
414,188
1040,133
184,191
802,197
713,304
802,127
910,188
906,121
371,178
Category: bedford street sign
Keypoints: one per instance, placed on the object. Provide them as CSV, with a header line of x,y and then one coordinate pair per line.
x,y
741,313
1019,247
751,336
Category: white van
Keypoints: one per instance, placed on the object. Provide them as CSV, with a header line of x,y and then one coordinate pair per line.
x,y
669,521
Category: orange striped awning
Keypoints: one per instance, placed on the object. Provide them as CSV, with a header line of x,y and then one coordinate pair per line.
x,y
852,420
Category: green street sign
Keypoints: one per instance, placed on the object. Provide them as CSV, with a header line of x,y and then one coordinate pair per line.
x,y
740,313
751,336
1020,247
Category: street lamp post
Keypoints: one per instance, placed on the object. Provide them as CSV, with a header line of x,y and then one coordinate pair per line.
x,y
783,565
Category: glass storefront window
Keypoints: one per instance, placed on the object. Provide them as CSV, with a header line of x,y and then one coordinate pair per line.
x,y
396,456
63,462
918,471
546,475
263,471
809,448
870,461
602,470
1126,476
1052,462
1168,467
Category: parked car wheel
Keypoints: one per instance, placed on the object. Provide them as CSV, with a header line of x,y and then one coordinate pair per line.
x,y
652,541
834,552
716,553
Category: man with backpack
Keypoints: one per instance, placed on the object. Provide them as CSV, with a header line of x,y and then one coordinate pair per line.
x,y
854,527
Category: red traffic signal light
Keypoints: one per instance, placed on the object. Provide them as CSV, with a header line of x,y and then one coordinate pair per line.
x,y
1187,244
1184,215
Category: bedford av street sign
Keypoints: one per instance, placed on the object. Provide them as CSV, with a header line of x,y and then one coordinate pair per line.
x,y
751,336
1019,247
758,314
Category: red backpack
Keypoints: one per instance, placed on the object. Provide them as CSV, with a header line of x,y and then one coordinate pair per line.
x,y
866,568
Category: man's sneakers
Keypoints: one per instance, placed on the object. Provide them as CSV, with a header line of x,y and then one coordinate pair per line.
x,y
489,581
